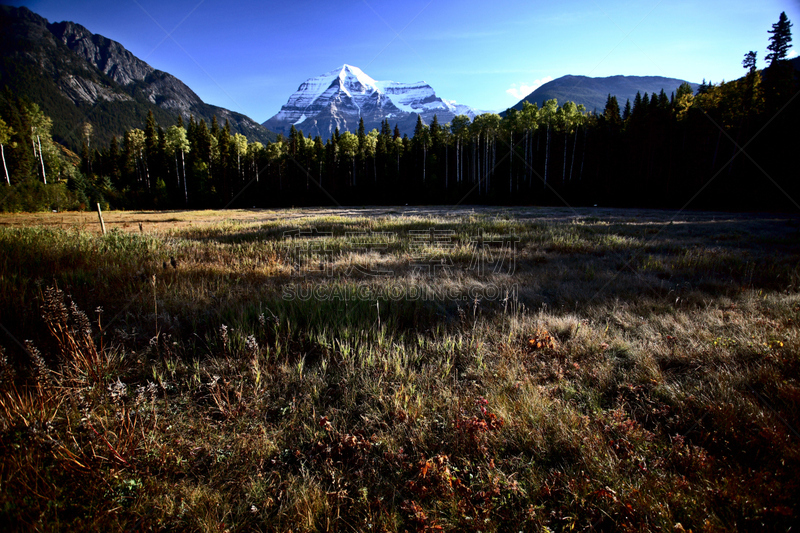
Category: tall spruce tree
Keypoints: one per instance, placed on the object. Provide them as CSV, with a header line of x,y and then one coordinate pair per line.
x,y
637,105
611,111
781,40
362,141
150,148
112,167
749,61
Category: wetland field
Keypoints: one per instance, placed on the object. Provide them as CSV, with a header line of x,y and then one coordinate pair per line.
x,y
400,369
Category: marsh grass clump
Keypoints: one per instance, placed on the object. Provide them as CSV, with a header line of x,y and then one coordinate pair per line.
x,y
81,359
626,374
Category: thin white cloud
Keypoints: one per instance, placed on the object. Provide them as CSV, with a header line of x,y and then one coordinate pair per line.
x,y
523,89
792,54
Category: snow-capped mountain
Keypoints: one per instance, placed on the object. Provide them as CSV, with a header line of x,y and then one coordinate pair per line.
x,y
341,97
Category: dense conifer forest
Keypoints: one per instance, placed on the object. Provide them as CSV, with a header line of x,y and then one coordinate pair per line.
x,y
726,146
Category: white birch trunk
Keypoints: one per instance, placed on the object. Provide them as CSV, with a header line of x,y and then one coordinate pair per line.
x,y
185,189
5,168
41,159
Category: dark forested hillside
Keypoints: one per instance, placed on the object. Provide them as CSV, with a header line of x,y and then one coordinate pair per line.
x,y
592,92
76,76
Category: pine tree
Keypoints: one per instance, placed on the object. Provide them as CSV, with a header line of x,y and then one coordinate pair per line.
x,y
781,40
422,138
435,132
191,131
750,61
362,139
704,87
419,126
112,160
202,144
319,151
653,101
611,111
293,141
637,105
85,161
663,101
459,127
161,158
151,147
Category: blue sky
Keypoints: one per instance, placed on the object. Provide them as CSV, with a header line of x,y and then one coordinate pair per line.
x,y
250,56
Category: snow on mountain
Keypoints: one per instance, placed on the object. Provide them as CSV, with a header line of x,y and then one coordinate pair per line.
x,y
413,97
341,97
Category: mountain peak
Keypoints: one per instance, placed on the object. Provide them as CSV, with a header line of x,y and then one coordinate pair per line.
x,y
350,68
342,97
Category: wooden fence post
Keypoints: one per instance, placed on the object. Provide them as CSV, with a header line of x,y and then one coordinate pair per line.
x,y
100,215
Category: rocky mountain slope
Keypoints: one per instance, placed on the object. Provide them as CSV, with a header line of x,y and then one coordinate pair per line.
x,y
75,76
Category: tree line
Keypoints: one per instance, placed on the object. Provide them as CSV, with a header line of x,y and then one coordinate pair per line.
x,y
726,145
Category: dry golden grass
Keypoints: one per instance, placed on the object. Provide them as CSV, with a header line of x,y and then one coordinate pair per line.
x,y
637,371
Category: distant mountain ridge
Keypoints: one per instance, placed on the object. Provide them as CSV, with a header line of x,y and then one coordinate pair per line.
x,y
70,71
593,92
342,97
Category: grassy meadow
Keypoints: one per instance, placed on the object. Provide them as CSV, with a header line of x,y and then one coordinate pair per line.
x,y
406,369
